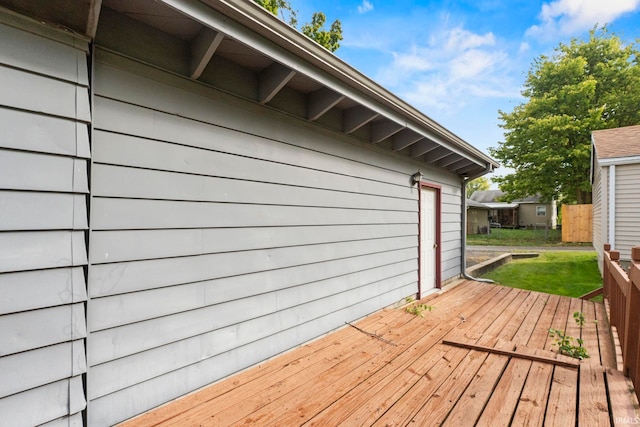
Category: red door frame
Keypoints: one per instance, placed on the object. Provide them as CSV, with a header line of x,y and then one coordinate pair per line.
x,y
438,269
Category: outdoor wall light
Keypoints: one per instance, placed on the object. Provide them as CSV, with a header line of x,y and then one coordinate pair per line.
x,y
416,178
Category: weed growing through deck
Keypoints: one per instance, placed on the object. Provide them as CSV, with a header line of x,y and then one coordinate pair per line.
x,y
567,344
418,309
579,318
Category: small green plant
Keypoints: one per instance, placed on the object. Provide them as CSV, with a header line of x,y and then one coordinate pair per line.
x,y
569,345
579,318
419,309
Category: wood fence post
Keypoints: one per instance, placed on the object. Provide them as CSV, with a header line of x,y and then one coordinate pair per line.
x,y
615,256
617,302
632,342
605,272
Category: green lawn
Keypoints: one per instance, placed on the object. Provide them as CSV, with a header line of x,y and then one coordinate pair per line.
x,y
569,273
508,237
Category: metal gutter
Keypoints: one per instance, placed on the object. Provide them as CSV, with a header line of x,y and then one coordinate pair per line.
x,y
463,236
619,161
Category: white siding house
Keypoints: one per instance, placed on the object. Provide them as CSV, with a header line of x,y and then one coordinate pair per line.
x,y
188,188
615,181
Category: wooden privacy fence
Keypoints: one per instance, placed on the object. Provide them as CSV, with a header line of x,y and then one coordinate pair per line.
x,y
622,290
577,223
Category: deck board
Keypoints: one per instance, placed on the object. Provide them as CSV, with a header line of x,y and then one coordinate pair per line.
x,y
530,408
395,370
605,341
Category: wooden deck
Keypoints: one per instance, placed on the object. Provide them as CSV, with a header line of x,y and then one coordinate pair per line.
x,y
394,369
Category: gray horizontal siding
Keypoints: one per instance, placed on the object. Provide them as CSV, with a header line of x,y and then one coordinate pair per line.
x,y
32,369
192,315
160,389
44,147
271,316
112,148
627,209
109,279
30,290
55,325
64,99
234,232
23,210
127,214
48,402
28,131
42,51
451,231
31,250
131,245
21,170
132,182
118,310
74,420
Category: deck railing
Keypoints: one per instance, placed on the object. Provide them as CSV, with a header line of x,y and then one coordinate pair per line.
x,y
622,290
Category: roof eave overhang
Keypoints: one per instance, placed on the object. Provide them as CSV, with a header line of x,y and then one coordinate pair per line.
x,y
255,27
279,64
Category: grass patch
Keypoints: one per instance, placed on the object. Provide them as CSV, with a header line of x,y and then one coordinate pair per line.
x,y
568,273
508,237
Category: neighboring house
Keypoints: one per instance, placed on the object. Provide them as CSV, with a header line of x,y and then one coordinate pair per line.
x,y
615,179
477,218
528,212
501,213
188,188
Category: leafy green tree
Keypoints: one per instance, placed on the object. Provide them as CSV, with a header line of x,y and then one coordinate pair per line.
x,y
585,86
282,8
329,39
479,184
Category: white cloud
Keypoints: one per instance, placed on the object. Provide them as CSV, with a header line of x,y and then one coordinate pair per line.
x,y
567,17
449,70
415,60
461,39
475,63
365,6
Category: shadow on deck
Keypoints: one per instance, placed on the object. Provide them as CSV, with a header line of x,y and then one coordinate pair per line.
x,y
500,368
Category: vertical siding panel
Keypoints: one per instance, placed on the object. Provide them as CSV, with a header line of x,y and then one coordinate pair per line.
x,y
597,213
44,147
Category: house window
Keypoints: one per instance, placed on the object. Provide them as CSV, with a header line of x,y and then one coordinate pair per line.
x,y
541,211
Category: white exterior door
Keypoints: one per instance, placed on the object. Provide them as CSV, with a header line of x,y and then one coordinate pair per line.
x,y
428,240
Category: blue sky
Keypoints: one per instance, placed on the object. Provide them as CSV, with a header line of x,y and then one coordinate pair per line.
x,y
460,62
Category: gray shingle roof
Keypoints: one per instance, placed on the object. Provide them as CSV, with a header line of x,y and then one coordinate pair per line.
x,y
618,142
492,196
